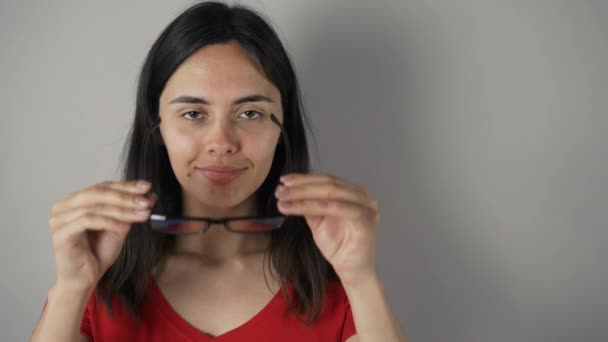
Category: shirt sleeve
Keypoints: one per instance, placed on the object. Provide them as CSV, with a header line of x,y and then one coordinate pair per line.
x,y
348,326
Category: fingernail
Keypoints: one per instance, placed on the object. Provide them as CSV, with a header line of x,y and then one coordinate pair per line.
x,y
285,204
142,184
285,178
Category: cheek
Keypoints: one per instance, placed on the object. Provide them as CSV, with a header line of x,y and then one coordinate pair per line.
x,y
180,149
264,154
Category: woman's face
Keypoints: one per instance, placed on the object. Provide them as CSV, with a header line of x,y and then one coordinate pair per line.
x,y
209,118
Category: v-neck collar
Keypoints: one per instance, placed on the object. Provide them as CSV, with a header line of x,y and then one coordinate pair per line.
x,y
161,303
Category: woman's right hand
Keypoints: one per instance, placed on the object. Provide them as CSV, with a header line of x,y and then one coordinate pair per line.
x,y
89,227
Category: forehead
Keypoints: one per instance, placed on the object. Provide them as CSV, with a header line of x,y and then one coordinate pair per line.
x,y
220,73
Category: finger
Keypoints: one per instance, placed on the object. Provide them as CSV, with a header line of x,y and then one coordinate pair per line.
x,y
122,214
332,181
134,186
323,190
300,178
90,221
102,194
327,208
303,178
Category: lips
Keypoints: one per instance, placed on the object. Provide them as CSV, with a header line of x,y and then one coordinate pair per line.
x,y
222,168
221,174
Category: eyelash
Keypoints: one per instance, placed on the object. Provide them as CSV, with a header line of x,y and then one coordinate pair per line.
x,y
247,111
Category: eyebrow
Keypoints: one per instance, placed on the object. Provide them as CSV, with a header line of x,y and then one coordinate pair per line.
x,y
200,100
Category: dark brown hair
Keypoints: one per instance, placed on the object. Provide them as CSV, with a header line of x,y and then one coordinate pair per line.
x,y
292,251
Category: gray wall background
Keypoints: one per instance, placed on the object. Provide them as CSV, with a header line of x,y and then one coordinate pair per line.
x,y
479,125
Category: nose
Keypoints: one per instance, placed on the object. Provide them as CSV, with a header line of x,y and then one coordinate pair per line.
x,y
220,139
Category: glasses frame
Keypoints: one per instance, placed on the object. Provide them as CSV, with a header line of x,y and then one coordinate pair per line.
x,y
224,221
208,222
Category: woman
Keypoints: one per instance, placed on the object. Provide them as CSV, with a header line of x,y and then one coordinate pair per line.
x,y
166,255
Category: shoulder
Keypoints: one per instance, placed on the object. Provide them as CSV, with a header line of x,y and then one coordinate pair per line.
x,y
121,324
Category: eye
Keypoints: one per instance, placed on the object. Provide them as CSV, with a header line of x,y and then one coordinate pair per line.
x,y
250,112
191,115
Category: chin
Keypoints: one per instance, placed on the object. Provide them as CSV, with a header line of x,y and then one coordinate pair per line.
x,y
223,196
223,200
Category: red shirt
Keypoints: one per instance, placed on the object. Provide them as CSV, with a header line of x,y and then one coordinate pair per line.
x,y
273,323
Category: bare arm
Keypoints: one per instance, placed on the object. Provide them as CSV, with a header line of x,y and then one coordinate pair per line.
x,y
62,316
343,218
372,314
88,229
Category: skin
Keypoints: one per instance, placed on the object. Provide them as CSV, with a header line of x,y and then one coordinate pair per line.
x,y
343,216
219,73
222,269
88,227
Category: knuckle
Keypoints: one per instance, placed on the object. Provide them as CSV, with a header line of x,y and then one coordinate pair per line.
x,y
369,214
110,221
70,196
88,217
332,189
103,184
129,211
100,191
91,187
331,178
128,198
60,237
120,210
52,222
107,220
54,208
57,237
97,207
91,218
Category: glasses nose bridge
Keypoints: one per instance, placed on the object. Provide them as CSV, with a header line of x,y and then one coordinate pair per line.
x,y
211,222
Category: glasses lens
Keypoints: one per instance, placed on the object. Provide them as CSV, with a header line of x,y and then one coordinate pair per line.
x,y
256,225
175,226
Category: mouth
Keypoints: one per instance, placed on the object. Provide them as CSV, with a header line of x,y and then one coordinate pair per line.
x,y
221,175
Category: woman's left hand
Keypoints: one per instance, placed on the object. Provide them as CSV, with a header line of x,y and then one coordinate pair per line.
x,y
343,218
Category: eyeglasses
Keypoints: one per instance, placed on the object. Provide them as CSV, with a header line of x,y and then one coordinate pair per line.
x,y
240,224
196,225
